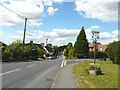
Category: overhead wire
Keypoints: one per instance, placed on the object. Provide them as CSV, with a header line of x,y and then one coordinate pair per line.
x,y
19,16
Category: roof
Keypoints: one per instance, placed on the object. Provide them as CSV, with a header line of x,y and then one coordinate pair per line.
x,y
99,47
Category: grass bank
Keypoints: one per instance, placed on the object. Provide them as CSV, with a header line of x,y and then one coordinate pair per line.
x,y
109,79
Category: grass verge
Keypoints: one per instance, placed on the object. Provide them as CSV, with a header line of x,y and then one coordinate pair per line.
x,y
109,79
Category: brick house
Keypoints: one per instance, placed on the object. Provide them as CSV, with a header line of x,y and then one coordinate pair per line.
x,y
99,47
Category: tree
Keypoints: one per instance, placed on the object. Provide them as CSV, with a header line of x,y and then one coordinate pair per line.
x,y
81,49
41,52
99,54
68,49
13,51
71,53
113,52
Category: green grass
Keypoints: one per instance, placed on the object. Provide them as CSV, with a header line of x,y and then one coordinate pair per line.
x,y
109,79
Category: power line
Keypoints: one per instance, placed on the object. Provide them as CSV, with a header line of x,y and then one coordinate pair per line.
x,y
12,11
32,25
19,16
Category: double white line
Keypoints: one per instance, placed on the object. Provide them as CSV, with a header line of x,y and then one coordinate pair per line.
x,y
63,63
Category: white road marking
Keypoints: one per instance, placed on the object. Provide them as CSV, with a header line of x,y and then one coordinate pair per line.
x,y
31,65
62,64
10,71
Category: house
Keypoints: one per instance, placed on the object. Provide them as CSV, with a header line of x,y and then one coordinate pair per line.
x,y
99,47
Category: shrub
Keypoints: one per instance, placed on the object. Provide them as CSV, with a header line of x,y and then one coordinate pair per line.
x,y
98,55
113,52
94,67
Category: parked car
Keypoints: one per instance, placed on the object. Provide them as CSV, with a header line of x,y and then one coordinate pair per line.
x,y
51,57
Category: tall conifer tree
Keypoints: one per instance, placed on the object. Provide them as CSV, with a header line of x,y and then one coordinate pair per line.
x,y
81,45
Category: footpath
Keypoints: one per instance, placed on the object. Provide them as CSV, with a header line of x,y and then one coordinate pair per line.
x,y
64,78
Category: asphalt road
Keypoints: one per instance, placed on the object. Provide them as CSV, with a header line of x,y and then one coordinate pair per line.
x,y
35,74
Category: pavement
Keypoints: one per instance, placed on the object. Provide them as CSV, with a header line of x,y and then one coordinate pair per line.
x,y
64,78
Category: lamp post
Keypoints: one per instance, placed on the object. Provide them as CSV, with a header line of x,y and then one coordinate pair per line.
x,y
95,37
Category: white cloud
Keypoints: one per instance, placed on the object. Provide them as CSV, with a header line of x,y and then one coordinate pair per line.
x,y
105,10
105,35
63,36
31,9
60,1
95,27
52,10
48,2
15,37
115,33
27,9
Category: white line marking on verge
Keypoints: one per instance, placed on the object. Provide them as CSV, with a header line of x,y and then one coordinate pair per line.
x,y
10,71
31,65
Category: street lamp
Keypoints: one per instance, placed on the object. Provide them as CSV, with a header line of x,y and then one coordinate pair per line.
x,y
95,37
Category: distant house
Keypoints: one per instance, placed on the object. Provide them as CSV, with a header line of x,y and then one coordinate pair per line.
x,y
50,49
2,45
99,47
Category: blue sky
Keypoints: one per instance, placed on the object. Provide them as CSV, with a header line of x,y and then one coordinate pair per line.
x,y
60,22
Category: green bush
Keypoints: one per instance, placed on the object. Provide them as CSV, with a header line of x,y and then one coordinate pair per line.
x,y
114,52
94,67
102,55
6,56
16,52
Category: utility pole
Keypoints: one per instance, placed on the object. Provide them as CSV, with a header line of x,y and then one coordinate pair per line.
x,y
46,41
24,32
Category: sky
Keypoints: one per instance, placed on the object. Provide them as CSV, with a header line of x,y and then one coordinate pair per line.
x,y
59,21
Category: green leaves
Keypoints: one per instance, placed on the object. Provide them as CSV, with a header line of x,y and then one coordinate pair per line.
x,y
81,45
15,52
113,52
80,49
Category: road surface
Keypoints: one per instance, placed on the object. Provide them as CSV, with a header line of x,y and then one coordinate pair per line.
x,y
35,74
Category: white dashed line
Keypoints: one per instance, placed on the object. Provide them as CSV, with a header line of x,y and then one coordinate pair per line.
x,y
31,65
10,71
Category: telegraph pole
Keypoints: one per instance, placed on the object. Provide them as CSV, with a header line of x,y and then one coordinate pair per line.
x,y
24,32
46,41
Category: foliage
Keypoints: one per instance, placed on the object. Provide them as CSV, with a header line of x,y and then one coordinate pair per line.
x,y
97,68
99,54
81,45
71,53
62,48
41,52
13,51
30,52
113,52
66,52
16,52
